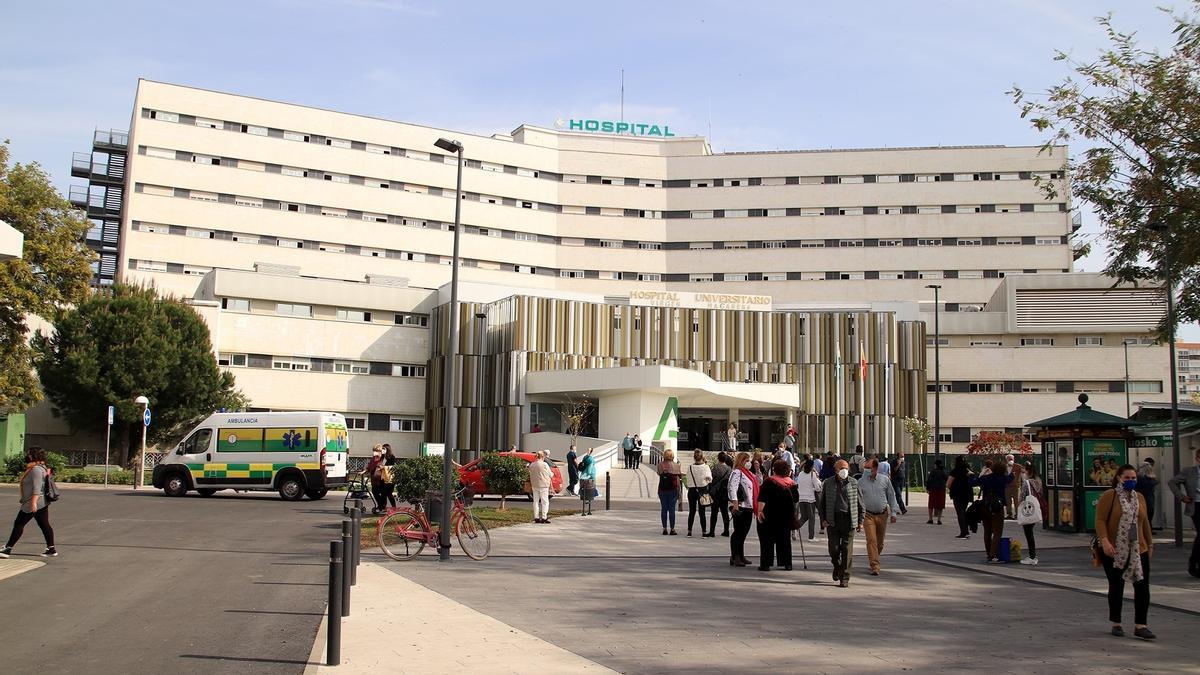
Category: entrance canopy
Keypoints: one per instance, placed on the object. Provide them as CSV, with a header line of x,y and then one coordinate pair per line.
x,y
691,388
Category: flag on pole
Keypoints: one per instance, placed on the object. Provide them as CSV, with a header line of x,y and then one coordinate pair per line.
x,y
862,362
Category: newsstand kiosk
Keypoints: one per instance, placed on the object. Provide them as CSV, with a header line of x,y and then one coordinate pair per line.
x,y
1082,450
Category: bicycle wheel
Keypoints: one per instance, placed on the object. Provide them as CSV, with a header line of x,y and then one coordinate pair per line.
x,y
402,535
473,537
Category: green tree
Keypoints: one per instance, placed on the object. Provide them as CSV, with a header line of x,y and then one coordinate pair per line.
x,y
52,274
124,342
413,476
504,475
1137,111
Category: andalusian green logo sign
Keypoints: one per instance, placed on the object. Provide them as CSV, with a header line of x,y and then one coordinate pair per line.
x,y
611,127
669,410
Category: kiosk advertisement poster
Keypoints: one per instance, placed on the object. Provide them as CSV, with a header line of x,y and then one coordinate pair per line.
x,y
1066,509
1101,458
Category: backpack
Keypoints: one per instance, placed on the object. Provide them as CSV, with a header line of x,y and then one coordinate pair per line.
x,y
668,482
50,489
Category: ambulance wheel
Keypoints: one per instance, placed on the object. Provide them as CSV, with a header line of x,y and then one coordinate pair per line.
x,y
175,485
206,492
291,488
316,494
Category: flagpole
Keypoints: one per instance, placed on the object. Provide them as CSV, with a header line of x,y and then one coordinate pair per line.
x,y
837,369
862,392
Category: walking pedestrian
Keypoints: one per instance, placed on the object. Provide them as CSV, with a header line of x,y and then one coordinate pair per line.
x,y
1031,486
699,477
993,487
899,478
1147,486
669,474
857,461
808,487
742,496
719,489
878,500
627,448
959,487
731,440
1126,544
935,487
33,503
818,463
1014,486
388,476
587,482
827,469
775,510
841,516
572,469
539,484
783,452
1186,488
373,472
637,451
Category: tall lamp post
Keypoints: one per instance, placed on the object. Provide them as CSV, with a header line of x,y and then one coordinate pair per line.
x,y
140,479
937,373
1162,229
1128,406
451,436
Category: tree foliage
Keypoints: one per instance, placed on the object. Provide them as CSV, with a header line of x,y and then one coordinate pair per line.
x,y
414,476
998,443
1138,113
52,274
918,430
504,475
124,342
575,412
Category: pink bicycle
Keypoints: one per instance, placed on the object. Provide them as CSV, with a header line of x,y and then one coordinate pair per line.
x,y
404,532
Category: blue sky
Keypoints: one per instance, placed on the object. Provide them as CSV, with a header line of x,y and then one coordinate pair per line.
x,y
765,75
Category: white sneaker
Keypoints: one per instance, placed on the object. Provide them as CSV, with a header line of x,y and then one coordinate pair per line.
x,y
4,552
1028,561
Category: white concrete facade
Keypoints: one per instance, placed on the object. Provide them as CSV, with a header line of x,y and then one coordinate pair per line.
x,y
346,217
12,242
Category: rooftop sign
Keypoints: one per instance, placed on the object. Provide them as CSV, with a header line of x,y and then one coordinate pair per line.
x,y
758,303
611,127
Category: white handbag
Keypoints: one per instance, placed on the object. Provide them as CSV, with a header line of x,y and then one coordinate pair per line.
x,y
1029,511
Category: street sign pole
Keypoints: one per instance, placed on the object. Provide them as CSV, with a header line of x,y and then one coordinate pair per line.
x,y
140,479
107,443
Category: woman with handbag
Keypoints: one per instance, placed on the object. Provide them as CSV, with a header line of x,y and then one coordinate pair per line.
x,y
775,510
699,476
668,489
743,496
387,487
993,484
1126,544
376,475
717,490
33,503
587,482
935,487
959,486
1030,510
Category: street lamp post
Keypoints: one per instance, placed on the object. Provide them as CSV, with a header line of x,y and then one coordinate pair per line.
x,y
937,373
480,370
451,436
140,479
1163,230
1128,407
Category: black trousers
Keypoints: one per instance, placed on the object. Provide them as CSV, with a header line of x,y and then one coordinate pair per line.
x,y
1195,559
693,497
1029,540
993,530
741,528
389,495
722,505
573,478
841,546
42,516
774,544
960,510
1116,591
637,457
628,458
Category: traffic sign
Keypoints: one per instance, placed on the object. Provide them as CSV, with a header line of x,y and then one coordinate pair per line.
x,y
111,413
146,417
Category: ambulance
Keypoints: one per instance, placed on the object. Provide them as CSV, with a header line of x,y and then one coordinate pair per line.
x,y
297,454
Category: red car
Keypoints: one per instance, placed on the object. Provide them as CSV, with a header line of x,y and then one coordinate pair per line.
x,y
471,474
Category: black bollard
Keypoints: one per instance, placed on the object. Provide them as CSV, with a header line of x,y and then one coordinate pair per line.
x,y
607,490
347,544
352,554
333,634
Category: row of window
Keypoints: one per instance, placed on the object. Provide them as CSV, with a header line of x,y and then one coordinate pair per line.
x,y
319,365
1080,341
393,184
423,155
341,313
358,422
1049,387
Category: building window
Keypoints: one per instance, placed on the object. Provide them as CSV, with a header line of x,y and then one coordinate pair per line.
x,y
232,360
939,342
738,276
407,370
608,243
930,274
524,236
151,266
1048,241
929,242
235,304
985,343
353,315
646,276
700,277
945,437
774,276
850,243
1038,388
1145,387
1008,241
289,309
932,387
812,243
571,274
1037,342
421,320
986,387
355,422
290,363
294,136
1089,341
700,245
406,424
890,243
970,242
352,367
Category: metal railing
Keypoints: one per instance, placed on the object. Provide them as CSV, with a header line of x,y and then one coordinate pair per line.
x,y
111,138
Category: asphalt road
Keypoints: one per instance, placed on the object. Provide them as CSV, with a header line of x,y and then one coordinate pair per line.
x,y
146,583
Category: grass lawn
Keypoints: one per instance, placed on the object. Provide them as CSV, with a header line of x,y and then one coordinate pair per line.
x,y
491,516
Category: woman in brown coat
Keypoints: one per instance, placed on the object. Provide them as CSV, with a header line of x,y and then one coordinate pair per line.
x,y
1123,533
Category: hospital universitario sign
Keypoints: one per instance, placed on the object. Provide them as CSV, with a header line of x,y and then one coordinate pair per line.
x,y
761,303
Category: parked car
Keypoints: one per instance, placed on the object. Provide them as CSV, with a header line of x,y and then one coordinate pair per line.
x,y
471,474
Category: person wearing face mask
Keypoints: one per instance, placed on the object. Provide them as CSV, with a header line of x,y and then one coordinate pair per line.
x,y
841,516
1186,488
373,471
1123,533
878,499
742,494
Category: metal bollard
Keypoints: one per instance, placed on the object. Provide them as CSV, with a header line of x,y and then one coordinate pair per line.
x,y
352,554
333,634
347,544
607,490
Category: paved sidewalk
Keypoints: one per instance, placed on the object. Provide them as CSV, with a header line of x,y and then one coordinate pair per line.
x,y
10,567
398,626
